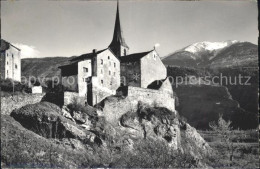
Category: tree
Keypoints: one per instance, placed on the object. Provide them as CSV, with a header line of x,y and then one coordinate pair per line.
x,y
226,133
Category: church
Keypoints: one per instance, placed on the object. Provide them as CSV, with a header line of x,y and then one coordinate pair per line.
x,y
97,75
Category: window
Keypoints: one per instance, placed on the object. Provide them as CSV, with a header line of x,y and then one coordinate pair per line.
x,y
7,72
109,72
12,55
114,73
101,81
85,69
15,66
101,61
6,54
108,57
125,52
111,83
114,64
7,63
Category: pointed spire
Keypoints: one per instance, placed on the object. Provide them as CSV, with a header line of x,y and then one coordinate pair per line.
x,y
118,38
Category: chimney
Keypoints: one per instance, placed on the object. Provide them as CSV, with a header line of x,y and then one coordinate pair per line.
x,y
94,51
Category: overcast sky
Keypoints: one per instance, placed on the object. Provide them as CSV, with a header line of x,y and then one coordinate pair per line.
x,y
67,28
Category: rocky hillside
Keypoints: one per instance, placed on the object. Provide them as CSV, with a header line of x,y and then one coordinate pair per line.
x,y
215,54
43,135
201,104
43,67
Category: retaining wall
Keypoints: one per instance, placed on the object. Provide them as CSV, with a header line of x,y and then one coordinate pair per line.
x,y
8,104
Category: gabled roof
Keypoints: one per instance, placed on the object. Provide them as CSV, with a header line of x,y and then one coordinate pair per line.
x,y
118,38
87,56
69,64
6,45
134,57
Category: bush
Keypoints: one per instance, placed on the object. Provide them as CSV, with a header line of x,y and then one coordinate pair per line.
x,y
85,110
146,112
8,85
154,154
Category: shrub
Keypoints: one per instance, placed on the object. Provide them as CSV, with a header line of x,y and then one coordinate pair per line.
x,y
8,85
154,154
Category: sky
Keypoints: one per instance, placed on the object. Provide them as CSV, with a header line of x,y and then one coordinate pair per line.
x,y
70,28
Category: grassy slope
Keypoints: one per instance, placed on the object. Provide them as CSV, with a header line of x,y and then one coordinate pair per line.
x,y
43,66
24,148
246,154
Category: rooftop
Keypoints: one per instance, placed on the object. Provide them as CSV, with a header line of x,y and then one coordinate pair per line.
x,y
6,45
134,57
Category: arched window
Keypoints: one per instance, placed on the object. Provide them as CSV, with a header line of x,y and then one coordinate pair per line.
x,y
108,57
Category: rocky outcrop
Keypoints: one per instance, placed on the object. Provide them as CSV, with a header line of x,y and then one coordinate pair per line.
x,y
22,148
107,142
46,120
162,125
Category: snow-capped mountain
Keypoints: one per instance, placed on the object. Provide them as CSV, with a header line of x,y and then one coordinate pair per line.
x,y
202,54
210,46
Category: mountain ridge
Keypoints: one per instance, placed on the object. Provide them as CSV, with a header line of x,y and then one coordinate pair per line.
x,y
201,54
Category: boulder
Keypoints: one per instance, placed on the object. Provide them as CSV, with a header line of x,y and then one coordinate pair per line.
x,y
46,120
79,117
65,113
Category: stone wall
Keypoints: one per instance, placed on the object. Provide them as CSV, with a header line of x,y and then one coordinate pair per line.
x,y
108,70
10,103
70,97
131,74
84,71
99,92
127,99
152,69
156,98
70,83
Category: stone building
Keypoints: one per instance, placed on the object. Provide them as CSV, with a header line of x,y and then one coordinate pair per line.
x,y
10,61
93,76
96,75
141,69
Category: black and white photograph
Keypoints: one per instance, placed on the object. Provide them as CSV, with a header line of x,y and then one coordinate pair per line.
x,y
129,84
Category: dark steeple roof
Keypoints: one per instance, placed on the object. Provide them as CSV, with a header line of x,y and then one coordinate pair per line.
x,y
118,38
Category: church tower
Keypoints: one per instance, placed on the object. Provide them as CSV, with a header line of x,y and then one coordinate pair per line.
x,y
118,45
